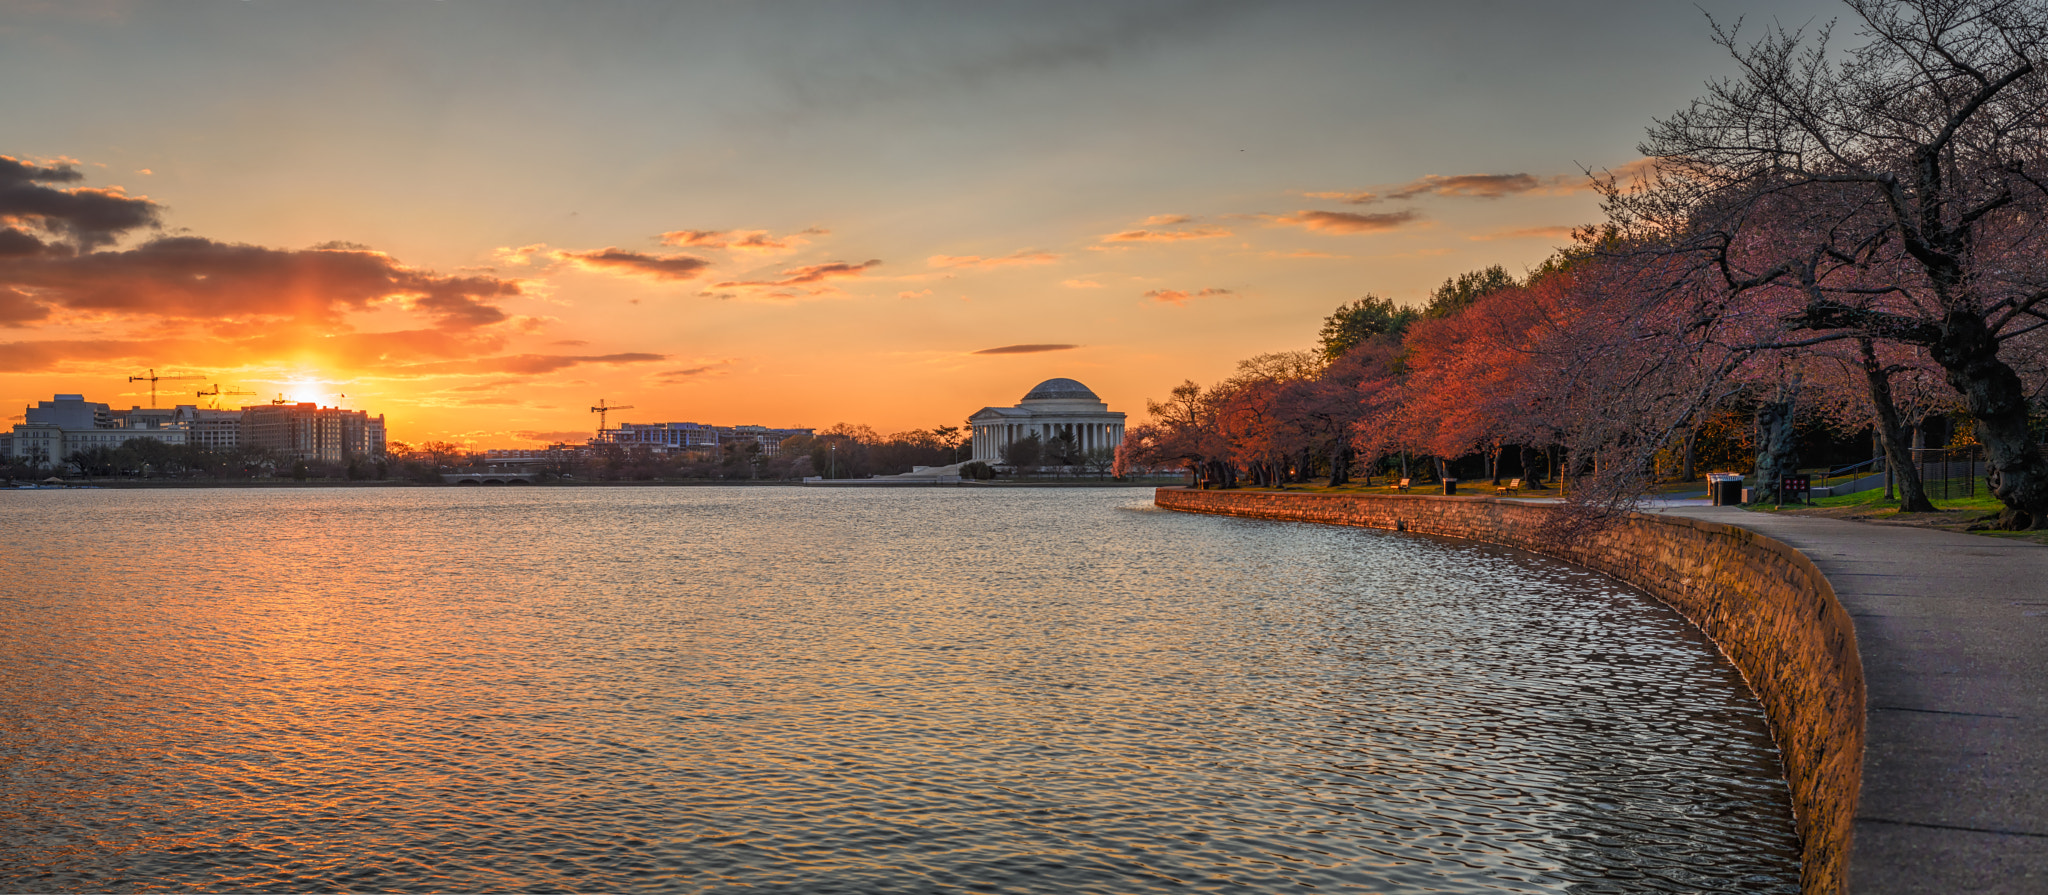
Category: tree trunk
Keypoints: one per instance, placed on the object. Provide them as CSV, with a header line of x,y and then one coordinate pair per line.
x,y
1530,477
1891,435
1777,445
1688,469
1340,464
1500,452
1998,400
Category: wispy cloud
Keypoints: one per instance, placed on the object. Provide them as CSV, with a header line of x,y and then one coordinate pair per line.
x,y
1354,197
1026,349
1349,222
813,275
520,256
1557,232
526,364
1081,284
1462,186
1179,297
1019,258
687,374
756,241
1473,186
1145,235
1162,228
637,264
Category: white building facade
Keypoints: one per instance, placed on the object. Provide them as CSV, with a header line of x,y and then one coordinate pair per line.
x,y
1053,408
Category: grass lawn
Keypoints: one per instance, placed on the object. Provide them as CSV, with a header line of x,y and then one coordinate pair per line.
x,y
1381,485
1954,514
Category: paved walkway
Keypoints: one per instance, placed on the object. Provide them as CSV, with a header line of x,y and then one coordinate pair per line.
x,y
1953,630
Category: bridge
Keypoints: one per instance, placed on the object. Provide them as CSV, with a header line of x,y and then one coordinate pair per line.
x,y
488,478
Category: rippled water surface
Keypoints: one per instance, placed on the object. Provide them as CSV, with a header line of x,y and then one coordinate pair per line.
x,y
784,689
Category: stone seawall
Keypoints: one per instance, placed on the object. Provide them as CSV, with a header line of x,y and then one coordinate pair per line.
x,y
1764,604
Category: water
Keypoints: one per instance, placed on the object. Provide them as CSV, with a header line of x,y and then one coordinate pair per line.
x,y
810,690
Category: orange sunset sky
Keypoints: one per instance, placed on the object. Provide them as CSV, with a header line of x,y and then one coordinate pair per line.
x,y
479,218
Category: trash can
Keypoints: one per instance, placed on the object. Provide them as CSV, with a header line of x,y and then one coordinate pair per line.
x,y
1450,486
1724,489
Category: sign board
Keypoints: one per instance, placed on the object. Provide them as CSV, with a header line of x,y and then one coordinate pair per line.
x,y
1796,484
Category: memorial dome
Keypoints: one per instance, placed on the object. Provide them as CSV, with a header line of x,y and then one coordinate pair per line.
x,y
1060,390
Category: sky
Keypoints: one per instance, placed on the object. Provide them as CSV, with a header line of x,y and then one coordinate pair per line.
x,y
479,218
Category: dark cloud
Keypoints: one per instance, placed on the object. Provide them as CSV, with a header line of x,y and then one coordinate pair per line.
x,y
1025,349
29,357
1347,222
189,277
16,309
659,267
14,170
88,216
17,243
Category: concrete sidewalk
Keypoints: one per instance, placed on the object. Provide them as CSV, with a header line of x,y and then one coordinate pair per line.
x,y
1953,630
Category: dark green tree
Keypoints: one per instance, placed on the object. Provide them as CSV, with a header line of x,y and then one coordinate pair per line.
x,y
1466,288
1360,320
1024,453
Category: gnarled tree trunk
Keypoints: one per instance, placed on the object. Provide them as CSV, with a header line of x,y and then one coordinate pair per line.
x,y
1531,478
1777,443
1891,434
1997,399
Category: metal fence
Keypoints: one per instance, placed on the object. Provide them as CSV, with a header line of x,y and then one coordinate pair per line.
x,y
1949,473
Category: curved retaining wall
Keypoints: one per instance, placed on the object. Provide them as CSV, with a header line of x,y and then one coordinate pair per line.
x,y
1764,604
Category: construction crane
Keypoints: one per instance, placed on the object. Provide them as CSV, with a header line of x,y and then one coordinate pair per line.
x,y
601,409
216,391
153,379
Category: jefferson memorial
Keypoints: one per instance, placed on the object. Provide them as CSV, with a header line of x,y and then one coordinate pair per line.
x,y
1051,408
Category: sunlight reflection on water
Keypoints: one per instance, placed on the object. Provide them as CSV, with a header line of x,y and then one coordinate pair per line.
x,y
722,689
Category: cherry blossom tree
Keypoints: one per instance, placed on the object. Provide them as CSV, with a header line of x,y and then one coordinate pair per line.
x,y
1898,190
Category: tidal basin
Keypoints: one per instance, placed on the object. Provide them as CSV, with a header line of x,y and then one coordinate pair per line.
x,y
784,689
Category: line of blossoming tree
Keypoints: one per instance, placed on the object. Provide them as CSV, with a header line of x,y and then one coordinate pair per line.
x,y
1852,234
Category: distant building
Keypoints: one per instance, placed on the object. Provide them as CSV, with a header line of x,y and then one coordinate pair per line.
x,y
70,412
554,453
218,431
54,430
1052,408
667,437
307,431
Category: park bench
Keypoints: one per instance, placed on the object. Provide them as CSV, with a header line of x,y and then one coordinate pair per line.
x,y
1514,486
1403,486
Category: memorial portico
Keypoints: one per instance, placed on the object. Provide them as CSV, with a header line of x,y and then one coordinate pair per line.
x,y
1052,408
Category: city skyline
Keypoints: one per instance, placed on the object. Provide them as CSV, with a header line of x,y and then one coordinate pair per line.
x,y
483,220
